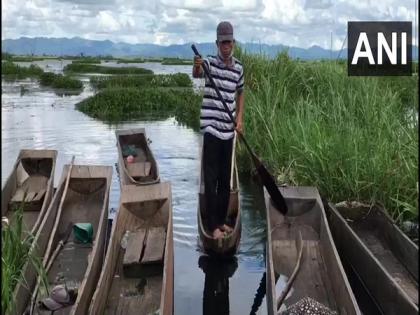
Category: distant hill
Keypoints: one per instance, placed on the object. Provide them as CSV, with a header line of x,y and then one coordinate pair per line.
x,y
76,46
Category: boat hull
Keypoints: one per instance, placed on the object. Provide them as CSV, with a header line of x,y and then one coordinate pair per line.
x,y
384,259
321,275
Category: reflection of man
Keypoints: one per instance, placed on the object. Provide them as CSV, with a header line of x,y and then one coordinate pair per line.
x,y
216,284
217,126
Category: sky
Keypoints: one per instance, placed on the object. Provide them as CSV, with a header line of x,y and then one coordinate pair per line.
x,y
299,23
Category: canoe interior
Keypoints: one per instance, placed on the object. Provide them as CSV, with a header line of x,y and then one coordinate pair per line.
x,y
77,265
230,243
139,292
321,275
397,254
143,170
30,182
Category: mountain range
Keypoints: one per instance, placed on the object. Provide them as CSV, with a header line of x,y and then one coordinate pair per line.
x,y
77,46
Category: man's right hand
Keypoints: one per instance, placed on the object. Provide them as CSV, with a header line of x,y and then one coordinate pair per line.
x,y
198,62
198,67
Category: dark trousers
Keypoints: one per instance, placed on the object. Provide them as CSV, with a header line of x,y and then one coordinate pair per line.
x,y
217,160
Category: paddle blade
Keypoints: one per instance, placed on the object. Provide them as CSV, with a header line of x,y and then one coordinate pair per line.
x,y
272,189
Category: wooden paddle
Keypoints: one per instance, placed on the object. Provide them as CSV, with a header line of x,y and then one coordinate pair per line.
x,y
266,178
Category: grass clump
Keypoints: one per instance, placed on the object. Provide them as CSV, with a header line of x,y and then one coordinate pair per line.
x,y
88,60
90,68
26,58
59,81
9,68
158,80
354,138
176,61
17,250
118,103
131,60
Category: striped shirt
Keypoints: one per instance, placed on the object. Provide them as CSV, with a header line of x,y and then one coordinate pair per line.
x,y
229,80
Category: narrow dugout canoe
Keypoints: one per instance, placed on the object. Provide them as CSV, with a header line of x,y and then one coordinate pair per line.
x,y
321,276
383,257
230,243
32,178
40,166
143,170
138,273
78,265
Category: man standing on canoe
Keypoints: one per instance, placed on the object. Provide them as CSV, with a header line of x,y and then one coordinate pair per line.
x,y
217,126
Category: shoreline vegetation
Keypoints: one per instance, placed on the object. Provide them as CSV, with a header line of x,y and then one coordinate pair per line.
x,y
98,59
12,71
354,138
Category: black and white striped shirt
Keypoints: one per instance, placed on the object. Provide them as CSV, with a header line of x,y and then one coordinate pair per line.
x,y
229,80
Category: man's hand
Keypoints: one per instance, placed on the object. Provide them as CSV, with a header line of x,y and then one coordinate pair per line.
x,y
198,67
198,61
239,126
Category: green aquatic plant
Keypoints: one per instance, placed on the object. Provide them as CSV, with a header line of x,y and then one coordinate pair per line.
x,y
176,61
117,103
88,60
141,81
17,250
90,68
9,68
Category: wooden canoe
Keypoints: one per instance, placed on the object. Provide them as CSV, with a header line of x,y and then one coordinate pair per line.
x,y
230,243
383,257
132,282
321,276
32,178
22,292
78,265
144,169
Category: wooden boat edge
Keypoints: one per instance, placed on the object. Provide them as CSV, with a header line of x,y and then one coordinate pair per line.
x,y
270,284
371,277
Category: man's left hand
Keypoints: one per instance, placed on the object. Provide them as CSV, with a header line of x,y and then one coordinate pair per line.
x,y
239,127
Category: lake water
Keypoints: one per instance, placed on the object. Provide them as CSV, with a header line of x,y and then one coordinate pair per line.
x,y
37,118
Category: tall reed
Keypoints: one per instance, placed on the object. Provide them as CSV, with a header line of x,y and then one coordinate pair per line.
x,y
16,251
355,138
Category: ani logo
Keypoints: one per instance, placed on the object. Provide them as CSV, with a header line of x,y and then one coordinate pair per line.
x,y
379,49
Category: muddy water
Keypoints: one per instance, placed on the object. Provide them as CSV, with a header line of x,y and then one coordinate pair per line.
x,y
37,118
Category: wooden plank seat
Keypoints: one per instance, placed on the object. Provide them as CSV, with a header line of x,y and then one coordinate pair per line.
x,y
139,169
144,253
33,199
146,200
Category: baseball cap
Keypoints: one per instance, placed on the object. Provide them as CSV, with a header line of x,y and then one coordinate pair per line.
x,y
224,31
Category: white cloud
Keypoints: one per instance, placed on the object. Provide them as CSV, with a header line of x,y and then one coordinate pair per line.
x,y
299,23
107,22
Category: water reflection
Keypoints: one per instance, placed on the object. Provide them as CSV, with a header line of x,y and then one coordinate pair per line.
x,y
216,283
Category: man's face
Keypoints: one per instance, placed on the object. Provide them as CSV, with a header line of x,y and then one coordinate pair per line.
x,y
225,47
